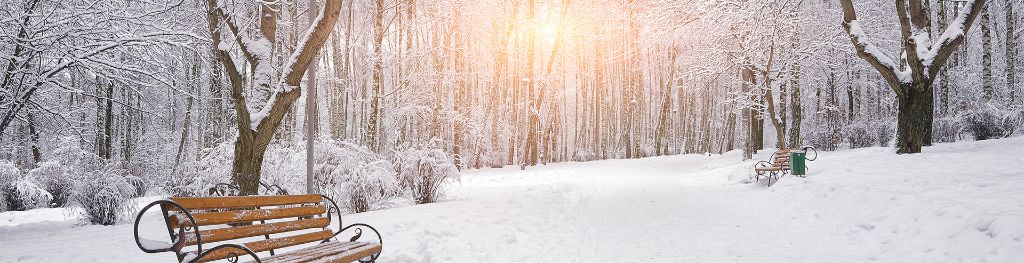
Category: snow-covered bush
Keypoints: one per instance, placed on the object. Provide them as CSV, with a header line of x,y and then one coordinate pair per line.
x,y
195,178
885,132
155,156
56,179
425,172
989,122
24,194
370,185
138,185
286,168
8,174
859,135
105,196
494,158
824,138
354,176
947,129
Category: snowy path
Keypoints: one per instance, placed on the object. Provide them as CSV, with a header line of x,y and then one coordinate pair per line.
x,y
958,202
656,209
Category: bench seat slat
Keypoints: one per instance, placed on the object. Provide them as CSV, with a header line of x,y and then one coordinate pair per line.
x,y
207,203
264,245
328,252
229,233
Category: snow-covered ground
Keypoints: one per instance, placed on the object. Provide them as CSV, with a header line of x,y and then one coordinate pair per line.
x,y
959,202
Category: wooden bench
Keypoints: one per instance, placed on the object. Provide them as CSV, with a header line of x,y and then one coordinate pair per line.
x,y
244,225
778,165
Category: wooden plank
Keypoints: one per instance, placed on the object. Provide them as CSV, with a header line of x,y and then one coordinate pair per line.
x,y
230,233
328,252
229,202
264,245
353,255
251,215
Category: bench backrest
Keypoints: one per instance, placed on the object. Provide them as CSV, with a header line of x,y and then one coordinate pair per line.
x,y
223,219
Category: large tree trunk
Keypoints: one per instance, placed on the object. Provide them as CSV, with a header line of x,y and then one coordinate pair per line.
x,y
912,121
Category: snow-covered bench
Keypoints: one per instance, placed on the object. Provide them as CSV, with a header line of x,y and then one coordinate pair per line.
x,y
230,222
777,166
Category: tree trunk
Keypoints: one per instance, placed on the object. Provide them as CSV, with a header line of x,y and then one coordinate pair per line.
x,y
988,92
1011,52
794,128
372,133
33,136
912,122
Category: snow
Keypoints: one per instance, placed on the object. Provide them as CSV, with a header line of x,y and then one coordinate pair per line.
x,y
956,202
257,117
154,244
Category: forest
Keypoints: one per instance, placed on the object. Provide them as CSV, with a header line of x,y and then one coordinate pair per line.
x,y
175,96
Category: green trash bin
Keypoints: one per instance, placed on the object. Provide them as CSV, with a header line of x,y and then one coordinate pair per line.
x,y
798,162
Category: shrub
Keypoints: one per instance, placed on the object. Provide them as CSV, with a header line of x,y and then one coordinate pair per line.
x,y
8,174
138,185
947,129
990,122
494,158
884,132
105,197
25,194
370,185
859,135
195,178
353,175
824,138
56,179
424,172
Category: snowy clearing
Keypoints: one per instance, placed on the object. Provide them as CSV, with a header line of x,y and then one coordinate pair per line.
x,y
958,202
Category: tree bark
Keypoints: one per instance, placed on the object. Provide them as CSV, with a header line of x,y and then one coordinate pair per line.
x,y
372,133
911,121
1011,53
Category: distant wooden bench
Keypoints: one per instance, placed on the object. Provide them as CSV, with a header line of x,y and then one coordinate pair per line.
x,y
777,166
195,222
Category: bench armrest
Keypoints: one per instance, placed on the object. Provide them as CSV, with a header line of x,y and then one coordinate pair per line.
x,y
152,246
356,228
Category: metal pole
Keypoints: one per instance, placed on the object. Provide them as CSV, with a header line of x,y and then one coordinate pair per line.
x,y
311,107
